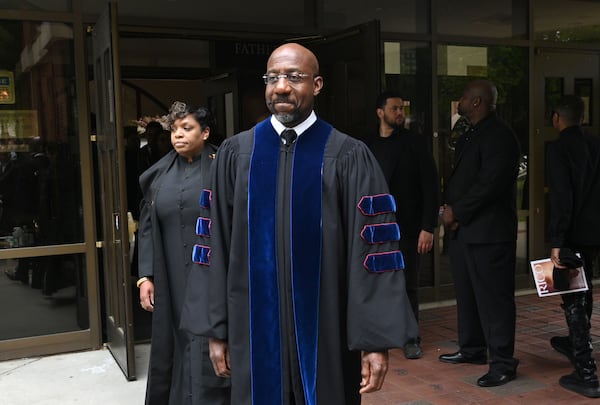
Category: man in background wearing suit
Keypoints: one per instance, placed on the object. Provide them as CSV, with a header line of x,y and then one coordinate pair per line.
x,y
573,171
481,215
411,174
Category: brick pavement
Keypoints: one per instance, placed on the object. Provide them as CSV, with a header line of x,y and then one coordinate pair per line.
x,y
428,381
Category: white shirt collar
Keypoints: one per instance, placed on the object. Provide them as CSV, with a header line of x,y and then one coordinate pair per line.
x,y
300,128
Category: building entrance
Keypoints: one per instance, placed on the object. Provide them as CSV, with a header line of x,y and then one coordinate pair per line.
x,y
224,75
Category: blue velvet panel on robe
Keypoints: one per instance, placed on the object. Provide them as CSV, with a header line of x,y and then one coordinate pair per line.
x,y
265,332
203,227
306,222
201,255
386,261
381,233
205,198
371,205
306,236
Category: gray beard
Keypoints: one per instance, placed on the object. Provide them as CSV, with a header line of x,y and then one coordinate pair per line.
x,y
286,118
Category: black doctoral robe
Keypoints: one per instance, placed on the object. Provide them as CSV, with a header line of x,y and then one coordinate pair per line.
x,y
180,371
356,295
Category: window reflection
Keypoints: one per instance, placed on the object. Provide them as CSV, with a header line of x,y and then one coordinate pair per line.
x,y
42,295
40,187
407,67
566,21
483,18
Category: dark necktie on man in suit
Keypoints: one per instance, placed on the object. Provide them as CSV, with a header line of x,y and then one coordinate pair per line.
x,y
289,136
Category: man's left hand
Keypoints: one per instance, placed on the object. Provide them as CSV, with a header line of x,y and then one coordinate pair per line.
x,y
425,242
374,368
555,257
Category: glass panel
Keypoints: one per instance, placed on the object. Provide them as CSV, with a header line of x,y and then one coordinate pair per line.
x,y
269,12
553,91
408,71
40,186
584,89
37,5
45,295
483,18
566,21
395,16
508,68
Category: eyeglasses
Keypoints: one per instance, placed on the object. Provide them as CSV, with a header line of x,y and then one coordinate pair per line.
x,y
292,78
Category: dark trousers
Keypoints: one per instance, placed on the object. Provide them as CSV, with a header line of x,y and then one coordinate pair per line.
x,y
484,279
411,272
589,254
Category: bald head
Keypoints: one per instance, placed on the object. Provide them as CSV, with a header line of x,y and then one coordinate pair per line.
x,y
478,100
294,51
486,91
291,101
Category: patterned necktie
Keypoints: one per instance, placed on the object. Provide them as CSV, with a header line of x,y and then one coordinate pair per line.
x,y
289,136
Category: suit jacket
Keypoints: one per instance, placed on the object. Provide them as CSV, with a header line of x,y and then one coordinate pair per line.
x,y
482,188
573,171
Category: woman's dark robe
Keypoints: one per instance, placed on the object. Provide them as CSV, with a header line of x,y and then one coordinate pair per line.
x,y
180,371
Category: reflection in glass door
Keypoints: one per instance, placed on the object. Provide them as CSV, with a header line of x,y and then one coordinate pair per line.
x,y
407,70
43,275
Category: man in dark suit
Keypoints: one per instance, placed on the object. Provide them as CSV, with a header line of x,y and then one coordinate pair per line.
x,y
411,174
481,215
573,171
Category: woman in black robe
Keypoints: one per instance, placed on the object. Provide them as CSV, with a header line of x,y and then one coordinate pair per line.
x,y
180,371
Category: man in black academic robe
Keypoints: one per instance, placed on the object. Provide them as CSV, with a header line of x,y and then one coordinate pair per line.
x,y
304,262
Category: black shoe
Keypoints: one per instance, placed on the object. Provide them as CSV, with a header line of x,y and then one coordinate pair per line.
x,y
562,344
412,350
459,357
494,380
587,387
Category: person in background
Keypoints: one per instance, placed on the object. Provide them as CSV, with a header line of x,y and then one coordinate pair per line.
x,y
573,173
412,177
481,215
158,144
306,293
180,371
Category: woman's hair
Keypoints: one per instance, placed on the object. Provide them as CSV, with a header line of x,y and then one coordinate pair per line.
x,y
180,110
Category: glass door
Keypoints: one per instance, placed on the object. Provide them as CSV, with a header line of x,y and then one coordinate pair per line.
x,y
111,164
47,265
